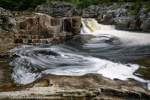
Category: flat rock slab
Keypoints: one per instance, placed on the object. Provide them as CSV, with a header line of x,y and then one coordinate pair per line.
x,y
86,87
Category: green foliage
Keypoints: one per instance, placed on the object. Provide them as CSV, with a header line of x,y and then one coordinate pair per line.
x,y
137,5
148,7
31,4
20,4
120,0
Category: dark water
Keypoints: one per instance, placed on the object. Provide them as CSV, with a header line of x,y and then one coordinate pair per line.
x,y
82,54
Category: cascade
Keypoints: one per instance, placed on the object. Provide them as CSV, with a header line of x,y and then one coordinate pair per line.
x,y
63,25
91,26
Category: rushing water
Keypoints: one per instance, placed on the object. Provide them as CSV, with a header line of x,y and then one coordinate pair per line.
x,y
98,49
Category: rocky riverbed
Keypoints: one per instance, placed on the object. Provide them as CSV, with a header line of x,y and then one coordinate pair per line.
x,y
57,21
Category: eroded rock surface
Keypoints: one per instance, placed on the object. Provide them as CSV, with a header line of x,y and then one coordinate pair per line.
x,y
7,25
64,9
32,28
87,87
123,15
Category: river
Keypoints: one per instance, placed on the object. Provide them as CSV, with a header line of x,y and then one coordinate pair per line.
x,y
99,49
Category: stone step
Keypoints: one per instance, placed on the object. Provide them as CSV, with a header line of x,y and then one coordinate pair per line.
x,y
28,41
29,36
19,44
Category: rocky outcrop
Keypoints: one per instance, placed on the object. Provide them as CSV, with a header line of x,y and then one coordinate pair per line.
x,y
91,12
63,9
145,26
7,29
86,87
33,28
123,15
42,28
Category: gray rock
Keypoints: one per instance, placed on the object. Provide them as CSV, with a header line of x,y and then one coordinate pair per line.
x,y
91,11
134,25
123,22
48,9
7,22
4,12
146,25
64,9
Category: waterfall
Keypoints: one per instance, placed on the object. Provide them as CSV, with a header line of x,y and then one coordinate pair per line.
x,y
91,26
63,25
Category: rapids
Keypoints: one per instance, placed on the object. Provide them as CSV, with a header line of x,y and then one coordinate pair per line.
x,y
99,49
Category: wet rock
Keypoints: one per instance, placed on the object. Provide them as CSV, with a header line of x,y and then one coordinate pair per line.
x,y
68,24
72,24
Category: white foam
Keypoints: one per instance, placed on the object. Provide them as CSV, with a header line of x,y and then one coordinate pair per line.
x,y
126,37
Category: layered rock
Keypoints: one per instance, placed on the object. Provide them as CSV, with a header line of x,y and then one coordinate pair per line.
x,y
63,9
41,28
33,28
7,25
91,12
123,15
86,87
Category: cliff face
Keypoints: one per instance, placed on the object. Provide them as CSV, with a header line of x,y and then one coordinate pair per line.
x,y
123,15
33,28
